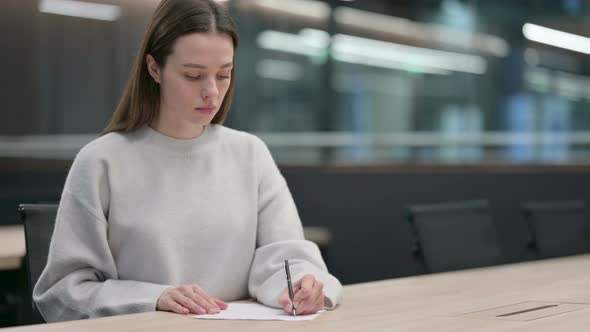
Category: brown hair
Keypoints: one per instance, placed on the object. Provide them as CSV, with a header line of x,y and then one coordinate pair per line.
x,y
140,103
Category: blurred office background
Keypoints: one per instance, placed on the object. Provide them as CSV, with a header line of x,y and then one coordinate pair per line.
x,y
368,106
327,82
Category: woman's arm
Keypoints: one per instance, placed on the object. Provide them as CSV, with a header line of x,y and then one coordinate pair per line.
x,y
80,279
280,237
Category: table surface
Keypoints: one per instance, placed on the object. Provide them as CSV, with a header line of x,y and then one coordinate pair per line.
x,y
12,247
436,302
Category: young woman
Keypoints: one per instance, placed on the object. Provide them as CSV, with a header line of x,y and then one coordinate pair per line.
x,y
169,210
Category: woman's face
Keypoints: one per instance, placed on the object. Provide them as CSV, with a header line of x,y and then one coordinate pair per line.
x,y
195,78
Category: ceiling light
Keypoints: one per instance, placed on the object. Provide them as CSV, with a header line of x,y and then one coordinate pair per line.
x,y
437,33
91,10
315,10
370,52
556,38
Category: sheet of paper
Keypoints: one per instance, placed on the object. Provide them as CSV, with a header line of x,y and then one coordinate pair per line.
x,y
255,311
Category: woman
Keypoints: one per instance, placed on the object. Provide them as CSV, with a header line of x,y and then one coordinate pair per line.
x,y
169,210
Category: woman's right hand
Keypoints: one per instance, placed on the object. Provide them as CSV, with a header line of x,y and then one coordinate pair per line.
x,y
189,299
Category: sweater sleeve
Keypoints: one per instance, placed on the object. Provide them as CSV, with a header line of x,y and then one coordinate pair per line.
x,y
80,279
280,237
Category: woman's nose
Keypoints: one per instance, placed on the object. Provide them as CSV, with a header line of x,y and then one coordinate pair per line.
x,y
209,90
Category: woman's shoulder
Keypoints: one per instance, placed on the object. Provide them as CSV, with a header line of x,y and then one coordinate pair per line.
x,y
245,145
104,146
237,137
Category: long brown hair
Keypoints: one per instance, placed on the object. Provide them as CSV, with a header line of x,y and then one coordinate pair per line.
x,y
140,103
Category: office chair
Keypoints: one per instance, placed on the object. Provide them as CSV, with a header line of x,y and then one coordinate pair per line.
x,y
39,220
557,228
454,236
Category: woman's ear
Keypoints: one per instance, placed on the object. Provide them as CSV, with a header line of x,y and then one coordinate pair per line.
x,y
153,68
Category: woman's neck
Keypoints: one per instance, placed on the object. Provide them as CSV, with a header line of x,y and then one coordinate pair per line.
x,y
177,130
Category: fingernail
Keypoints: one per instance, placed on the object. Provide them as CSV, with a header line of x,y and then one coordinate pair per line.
x,y
213,310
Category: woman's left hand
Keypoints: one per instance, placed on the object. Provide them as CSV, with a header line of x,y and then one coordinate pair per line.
x,y
309,296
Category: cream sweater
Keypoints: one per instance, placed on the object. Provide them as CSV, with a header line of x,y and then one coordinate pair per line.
x,y
141,212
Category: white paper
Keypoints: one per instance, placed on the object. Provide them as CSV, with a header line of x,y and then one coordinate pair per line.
x,y
255,311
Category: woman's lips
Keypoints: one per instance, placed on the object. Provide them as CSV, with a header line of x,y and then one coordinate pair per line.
x,y
205,110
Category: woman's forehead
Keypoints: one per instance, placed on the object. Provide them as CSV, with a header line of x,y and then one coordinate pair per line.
x,y
205,48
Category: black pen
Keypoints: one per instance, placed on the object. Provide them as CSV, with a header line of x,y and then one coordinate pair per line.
x,y
290,285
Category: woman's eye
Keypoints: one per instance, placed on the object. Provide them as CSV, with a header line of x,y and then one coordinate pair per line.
x,y
193,78
223,77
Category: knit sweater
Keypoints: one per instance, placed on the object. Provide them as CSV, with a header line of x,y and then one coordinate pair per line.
x,y
141,212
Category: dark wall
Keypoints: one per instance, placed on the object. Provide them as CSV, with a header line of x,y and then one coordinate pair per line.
x,y
18,73
364,206
64,74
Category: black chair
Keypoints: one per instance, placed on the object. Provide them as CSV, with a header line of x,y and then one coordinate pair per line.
x,y
558,228
39,220
455,236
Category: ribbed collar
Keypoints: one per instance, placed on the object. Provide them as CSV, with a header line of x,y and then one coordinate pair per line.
x,y
153,138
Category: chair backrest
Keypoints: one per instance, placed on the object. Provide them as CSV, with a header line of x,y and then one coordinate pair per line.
x,y
454,236
558,228
39,220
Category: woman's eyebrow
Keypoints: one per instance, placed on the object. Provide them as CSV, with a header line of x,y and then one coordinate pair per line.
x,y
196,65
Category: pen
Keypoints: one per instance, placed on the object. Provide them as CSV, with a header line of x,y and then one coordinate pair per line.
x,y
290,285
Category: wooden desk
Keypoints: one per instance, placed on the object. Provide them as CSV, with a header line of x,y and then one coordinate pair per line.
x,y
422,303
12,247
